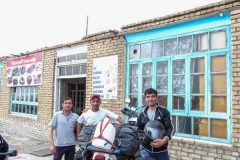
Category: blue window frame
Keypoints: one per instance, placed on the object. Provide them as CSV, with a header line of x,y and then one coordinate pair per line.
x,y
190,66
24,100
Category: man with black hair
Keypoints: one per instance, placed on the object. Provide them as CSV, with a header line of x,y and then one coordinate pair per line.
x,y
156,148
63,124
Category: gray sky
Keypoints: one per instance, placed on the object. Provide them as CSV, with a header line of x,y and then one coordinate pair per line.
x,y
26,25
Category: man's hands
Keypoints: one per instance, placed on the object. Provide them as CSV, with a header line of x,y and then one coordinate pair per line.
x,y
159,142
52,148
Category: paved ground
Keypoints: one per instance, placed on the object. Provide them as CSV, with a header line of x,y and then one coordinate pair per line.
x,y
25,146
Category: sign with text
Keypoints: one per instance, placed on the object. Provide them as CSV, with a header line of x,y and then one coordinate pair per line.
x,y
25,71
104,79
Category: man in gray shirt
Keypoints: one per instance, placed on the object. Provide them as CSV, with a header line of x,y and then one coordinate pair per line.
x,y
62,136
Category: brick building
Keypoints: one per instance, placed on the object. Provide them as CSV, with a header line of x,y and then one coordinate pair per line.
x,y
190,57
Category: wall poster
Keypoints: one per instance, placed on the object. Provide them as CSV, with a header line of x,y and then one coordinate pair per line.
x,y
104,80
25,71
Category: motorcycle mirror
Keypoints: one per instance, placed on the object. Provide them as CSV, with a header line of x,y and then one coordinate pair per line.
x,y
127,100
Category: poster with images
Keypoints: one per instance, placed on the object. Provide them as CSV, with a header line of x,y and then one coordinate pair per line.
x,y
25,71
104,80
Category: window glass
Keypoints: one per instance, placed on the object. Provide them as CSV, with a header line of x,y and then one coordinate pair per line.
x,y
162,84
147,76
200,126
69,70
133,70
147,83
197,103
133,101
185,44
81,56
62,71
76,70
24,100
146,50
71,57
162,68
197,84
162,77
179,66
62,59
163,100
200,42
157,49
218,40
147,69
133,85
134,52
219,83
170,46
178,102
83,69
218,63
218,128
133,79
219,104
197,65
184,124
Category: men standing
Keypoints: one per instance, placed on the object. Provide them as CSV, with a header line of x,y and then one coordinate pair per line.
x,y
157,148
95,114
63,125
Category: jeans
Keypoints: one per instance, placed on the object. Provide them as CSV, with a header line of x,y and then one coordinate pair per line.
x,y
156,156
69,152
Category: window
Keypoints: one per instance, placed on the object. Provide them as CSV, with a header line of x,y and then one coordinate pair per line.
x,y
24,100
73,70
72,65
191,75
72,57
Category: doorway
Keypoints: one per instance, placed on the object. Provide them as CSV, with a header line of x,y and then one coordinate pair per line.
x,y
74,88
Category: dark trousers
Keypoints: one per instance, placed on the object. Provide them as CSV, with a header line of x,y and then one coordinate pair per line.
x,y
156,156
69,152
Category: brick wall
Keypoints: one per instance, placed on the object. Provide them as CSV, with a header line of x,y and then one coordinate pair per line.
x,y
101,45
33,127
235,31
183,16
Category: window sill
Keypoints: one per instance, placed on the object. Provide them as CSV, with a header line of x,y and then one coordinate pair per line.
x,y
203,143
23,115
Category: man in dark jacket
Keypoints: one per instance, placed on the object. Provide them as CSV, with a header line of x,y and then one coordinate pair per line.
x,y
156,149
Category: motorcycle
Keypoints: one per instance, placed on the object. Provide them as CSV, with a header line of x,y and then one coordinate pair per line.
x,y
102,145
5,152
105,145
130,112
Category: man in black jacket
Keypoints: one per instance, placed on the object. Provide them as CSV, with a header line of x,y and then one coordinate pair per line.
x,y
156,149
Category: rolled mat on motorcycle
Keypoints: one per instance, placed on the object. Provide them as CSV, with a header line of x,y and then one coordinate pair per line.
x,y
5,152
108,141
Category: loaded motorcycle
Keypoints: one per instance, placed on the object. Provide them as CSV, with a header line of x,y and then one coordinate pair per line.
x,y
110,141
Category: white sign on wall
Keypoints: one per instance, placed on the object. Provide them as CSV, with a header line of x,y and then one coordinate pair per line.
x,y
104,80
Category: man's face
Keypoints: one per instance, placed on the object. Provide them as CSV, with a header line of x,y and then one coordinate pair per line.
x,y
151,99
67,105
95,103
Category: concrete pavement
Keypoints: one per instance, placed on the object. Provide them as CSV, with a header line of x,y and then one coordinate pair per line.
x,y
25,146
